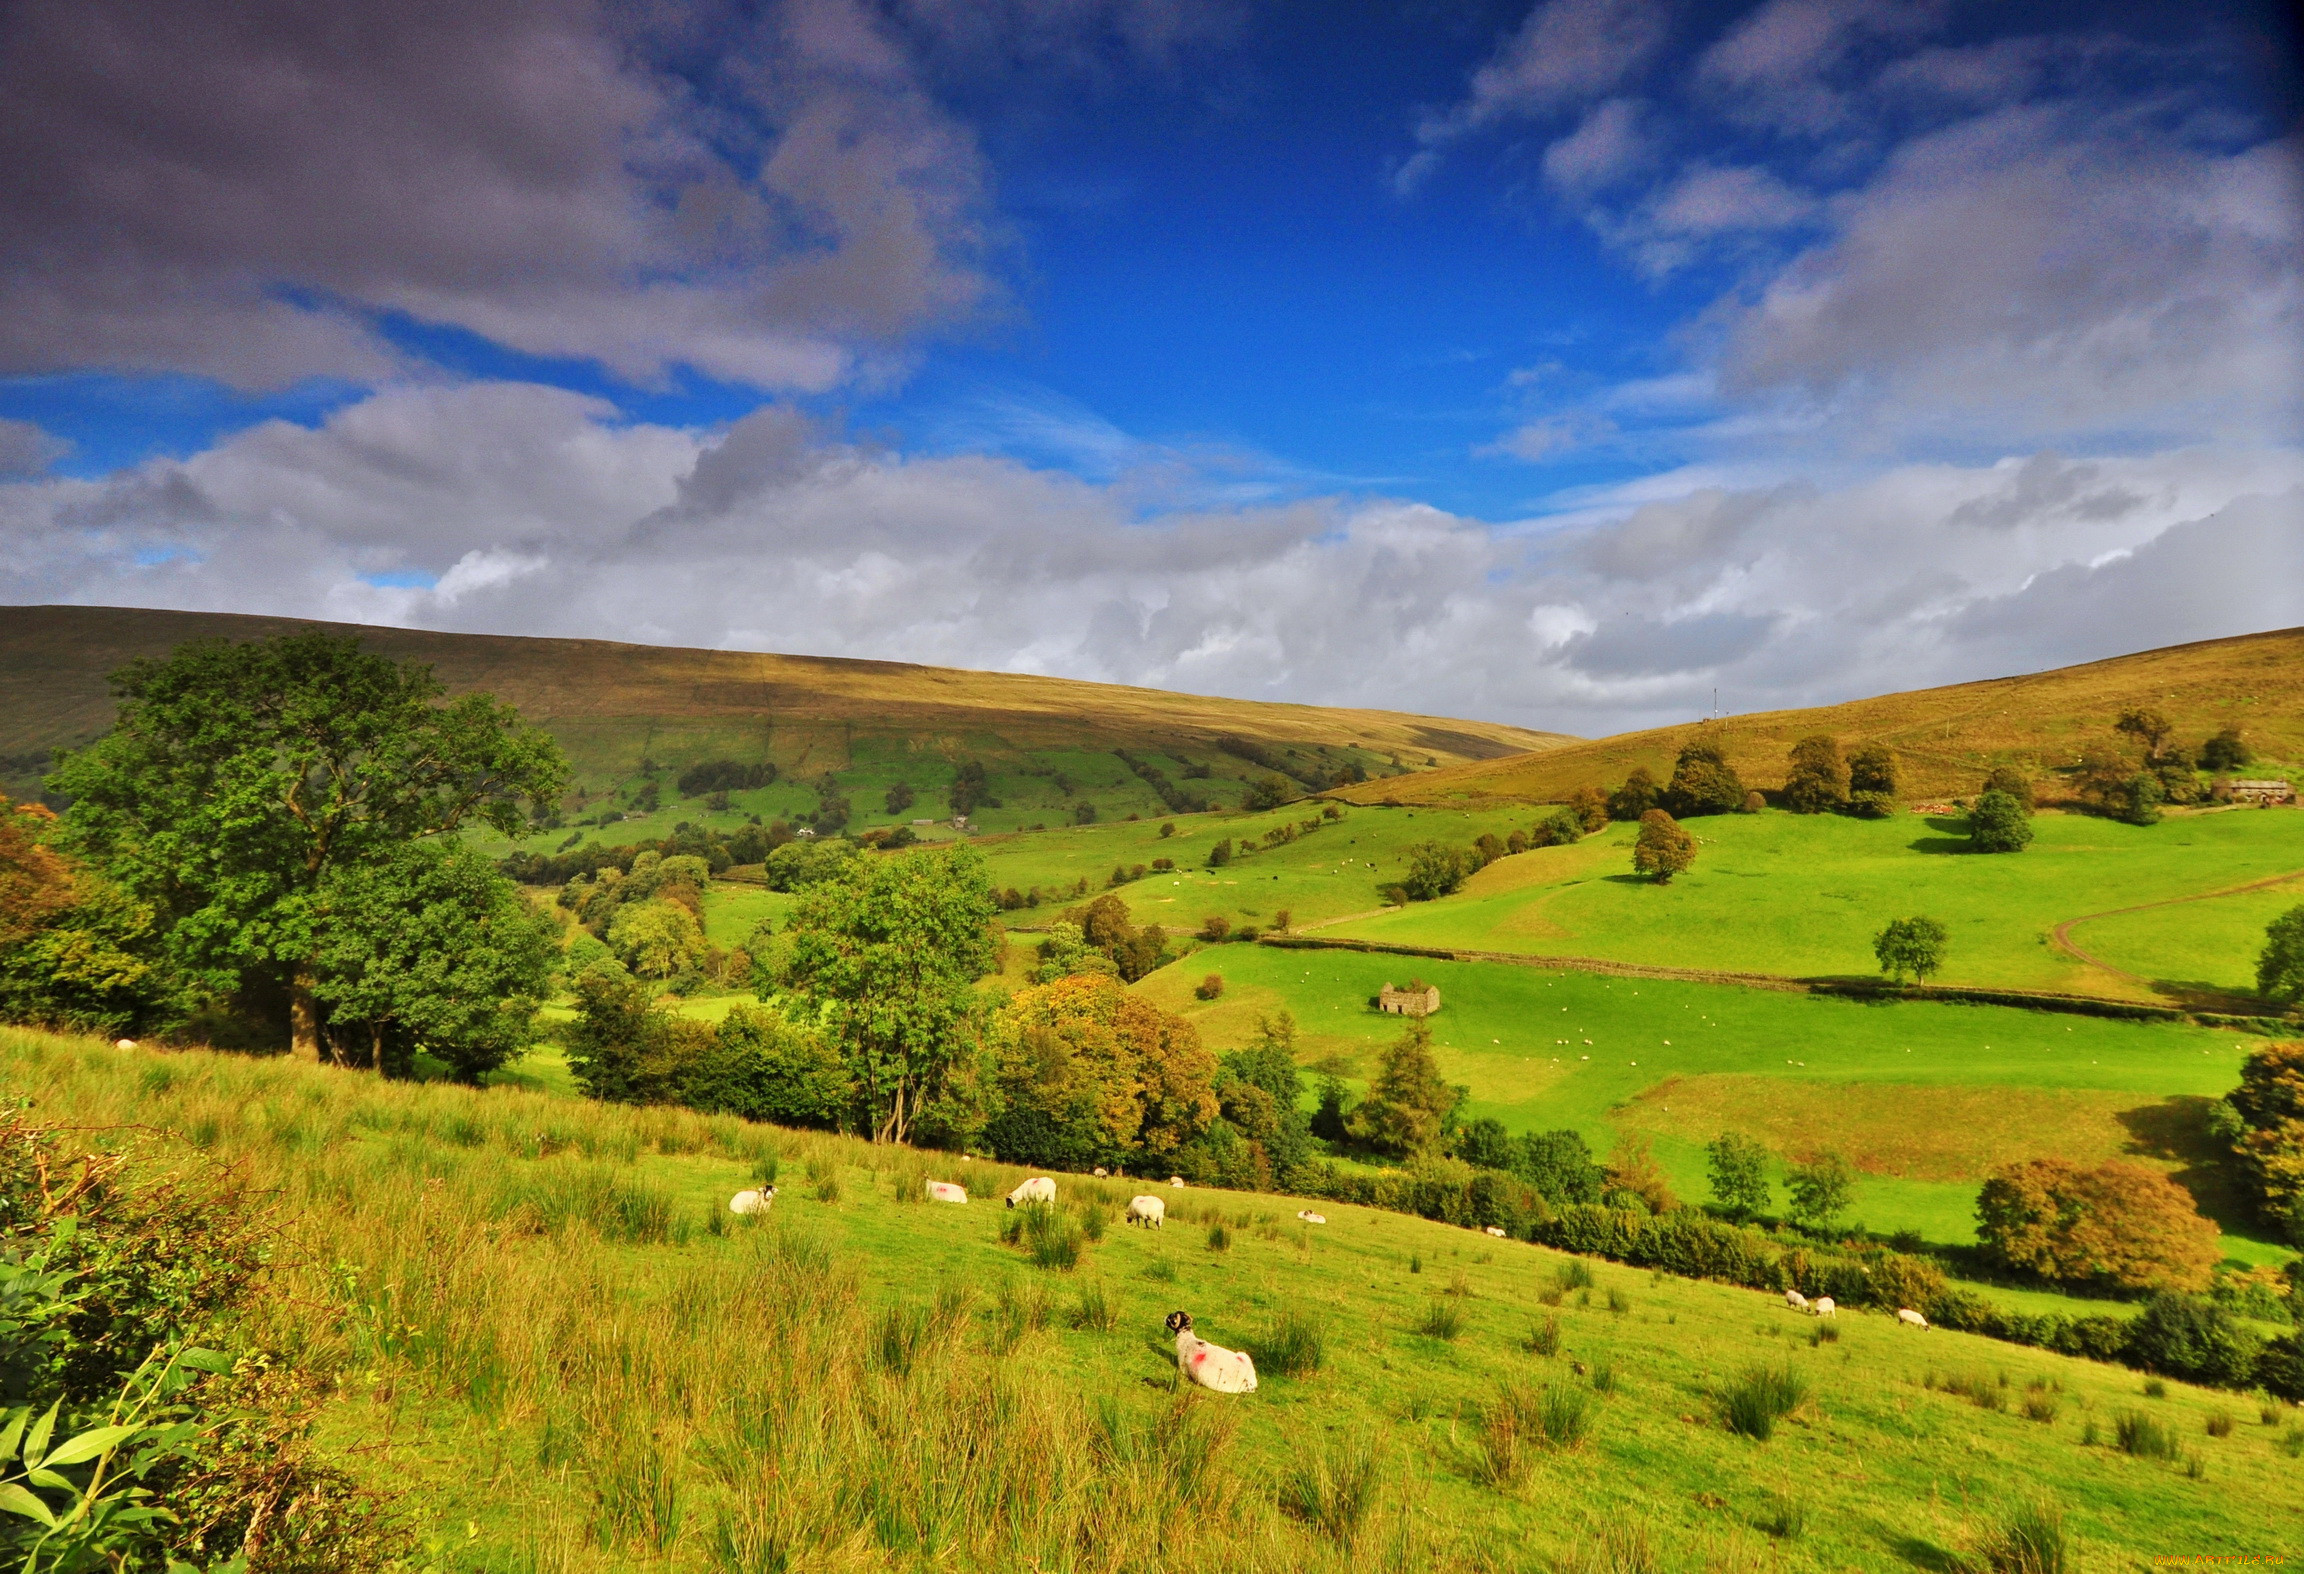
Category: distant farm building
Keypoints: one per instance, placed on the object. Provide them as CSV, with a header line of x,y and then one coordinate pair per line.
x,y
2262,790
1419,999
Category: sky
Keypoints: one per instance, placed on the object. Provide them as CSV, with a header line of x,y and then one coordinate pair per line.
x,y
1587,365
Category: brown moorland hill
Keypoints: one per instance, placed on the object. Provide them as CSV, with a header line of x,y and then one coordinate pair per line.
x,y
1945,739
613,704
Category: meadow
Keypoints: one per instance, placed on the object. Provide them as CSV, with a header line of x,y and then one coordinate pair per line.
x,y
546,1334
1803,895
1924,1098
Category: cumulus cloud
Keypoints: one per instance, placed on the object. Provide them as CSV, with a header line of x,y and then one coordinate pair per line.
x,y
768,195
26,449
515,508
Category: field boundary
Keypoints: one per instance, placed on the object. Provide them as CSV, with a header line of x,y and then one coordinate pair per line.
x,y
2061,935
1854,988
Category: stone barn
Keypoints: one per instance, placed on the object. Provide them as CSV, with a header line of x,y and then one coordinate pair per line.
x,y
2260,790
1419,999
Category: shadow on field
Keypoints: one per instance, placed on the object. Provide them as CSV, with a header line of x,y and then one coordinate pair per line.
x,y
1951,836
2195,994
2175,1131
1924,1554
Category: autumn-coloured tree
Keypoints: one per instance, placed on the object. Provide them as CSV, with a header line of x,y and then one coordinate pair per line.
x,y
1591,807
1087,1070
2119,1225
1632,1168
1662,849
1636,797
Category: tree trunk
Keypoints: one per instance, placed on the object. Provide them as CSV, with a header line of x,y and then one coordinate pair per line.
x,y
303,1016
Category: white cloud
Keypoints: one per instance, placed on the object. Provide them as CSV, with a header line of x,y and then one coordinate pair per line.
x,y
530,510
1607,146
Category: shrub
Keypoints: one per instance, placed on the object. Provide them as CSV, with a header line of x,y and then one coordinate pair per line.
x,y
1635,798
1219,1238
2194,1339
1210,987
2220,1424
1819,776
1999,824
1443,1319
1519,1422
1052,1239
1292,1344
1333,1491
1760,1397
1215,928
2141,1435
2031,1540
1702,783
2039,1405
2119,1225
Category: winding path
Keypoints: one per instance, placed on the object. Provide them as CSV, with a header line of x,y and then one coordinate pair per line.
x,y
2062,933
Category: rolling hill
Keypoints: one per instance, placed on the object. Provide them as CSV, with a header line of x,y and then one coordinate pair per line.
x,y
1945,739
632,714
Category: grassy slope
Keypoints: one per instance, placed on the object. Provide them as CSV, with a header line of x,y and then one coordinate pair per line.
x,y
871,722
1804,894
1946,738
535,1391
1803,1072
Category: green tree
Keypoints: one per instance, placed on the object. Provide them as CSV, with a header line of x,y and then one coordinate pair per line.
x,y
1409,1101
1999,824
1911,947
2147,726
2227,751
1590,806
1260,1091
429,949
75,952
1872,781
1662,848
2280,965
656,939
1220,854
2263,1119
1436,870
1737,1166
1269,791
900,797
888,955
240,781
1820,1190
1560,1165
2138,799
1818,780
1636,797
2013,782
623,1049
1703,782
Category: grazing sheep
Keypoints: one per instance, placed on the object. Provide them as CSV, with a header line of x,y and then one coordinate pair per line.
x,y
1795,1300
759,1201
945,1191
1309,1217
1150,1212
1176,1181
1100,1172
1211,1366
1493,1230
1823,1306
1905,1314
124,1043
1038,1189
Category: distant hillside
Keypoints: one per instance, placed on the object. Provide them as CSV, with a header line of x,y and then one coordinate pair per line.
x,y
1946,739
635,715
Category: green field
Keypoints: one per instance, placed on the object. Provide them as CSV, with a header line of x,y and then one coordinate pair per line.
x,y
874,1383
2207,946
1803,895
1541,1049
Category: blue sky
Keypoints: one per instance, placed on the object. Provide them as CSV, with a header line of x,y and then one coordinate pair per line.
x,y
1558,363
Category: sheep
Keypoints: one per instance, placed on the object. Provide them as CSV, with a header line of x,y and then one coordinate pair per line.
x,y
1309,1217
1211,1366
1150,1212
1176,1181
1905,1314
124,1043
1038,1189
945,1191
1823,1306
1101,1172
1493,1230
1795,1300
759,1201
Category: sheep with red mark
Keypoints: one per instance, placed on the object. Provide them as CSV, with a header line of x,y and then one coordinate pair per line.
x,y
1211,1366
1040,1188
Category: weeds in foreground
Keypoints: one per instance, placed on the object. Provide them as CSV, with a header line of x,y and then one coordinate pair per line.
x,y
1291,1345
1522,1421
1333,1491
1783,1516
1443,1319
1544,1337
1095,1309
2031,1540
1760,1397
2143,1436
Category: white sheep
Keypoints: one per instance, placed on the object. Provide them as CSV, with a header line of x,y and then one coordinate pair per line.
x,y
1150,1212
759,1201
1905,1314
945,1191
1309,1217
1038,1189
1493,1230
1176,1181
124,1043
1795,1300
1100,1172
1211,1366
1823,1306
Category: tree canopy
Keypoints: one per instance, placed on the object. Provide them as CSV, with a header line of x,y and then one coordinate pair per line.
x,y
2280,965
1818,781
1911,948
1703,782
2119,1225
1999,824
1662,849
1409,1101
1737,1167
241,780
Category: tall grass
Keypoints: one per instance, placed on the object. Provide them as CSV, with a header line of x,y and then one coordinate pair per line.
x,y
1760,1397
2144,1436
1442,1319
2030,1540
1520,1422
1333,1490
1291,1344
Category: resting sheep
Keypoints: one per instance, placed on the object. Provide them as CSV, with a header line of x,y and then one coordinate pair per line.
x,y
1176,1181
1795,1300
1823,1306
945,1191
1038,1189
1309,1217
1100,1172
1493,1230
759,1201
1150,1212
1905,1314
124,1043
1211,1366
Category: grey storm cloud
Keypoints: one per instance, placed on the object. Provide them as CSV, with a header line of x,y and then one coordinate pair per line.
x,y
508,506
